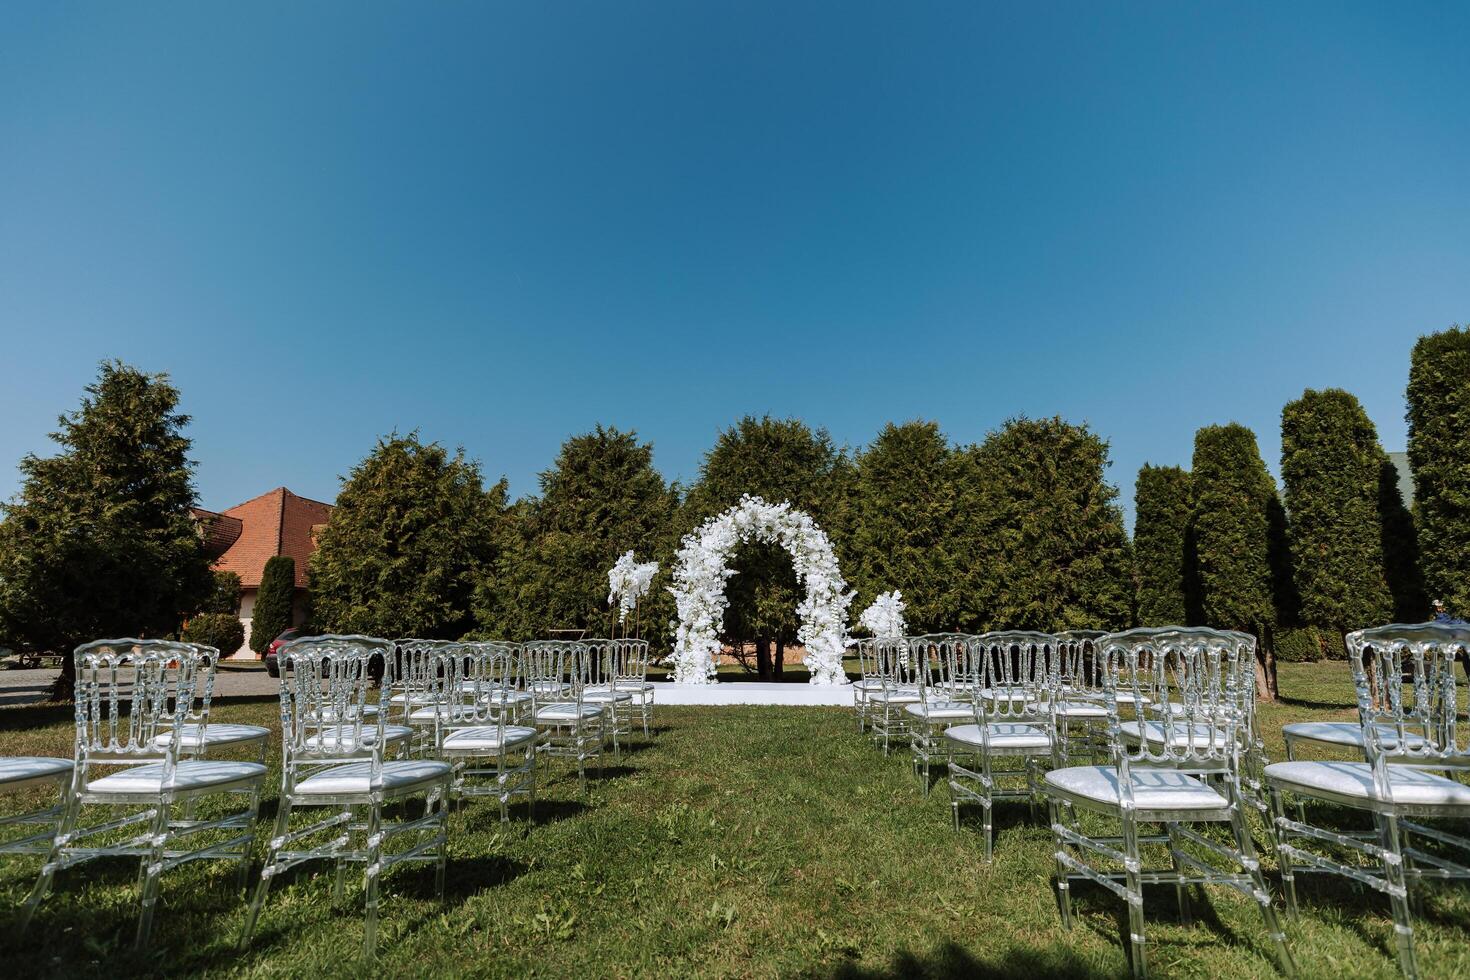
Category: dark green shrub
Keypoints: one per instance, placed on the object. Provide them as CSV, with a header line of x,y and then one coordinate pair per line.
x,y
1309,644
1160,530
225,596
273,603
223,631
1439,454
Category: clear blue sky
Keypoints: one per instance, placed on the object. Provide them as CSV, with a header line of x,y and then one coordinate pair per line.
x,y
502,223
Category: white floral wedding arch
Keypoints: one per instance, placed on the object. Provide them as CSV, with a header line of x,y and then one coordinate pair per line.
x,y
702,566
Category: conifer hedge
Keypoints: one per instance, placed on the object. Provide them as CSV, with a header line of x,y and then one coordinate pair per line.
x,y
1161,501
1439,454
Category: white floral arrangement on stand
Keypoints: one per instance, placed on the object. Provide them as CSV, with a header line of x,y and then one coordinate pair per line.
x,y
627,582
702,568
885,616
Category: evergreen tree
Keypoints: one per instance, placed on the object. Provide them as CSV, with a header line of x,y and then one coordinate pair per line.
x,y
274,602
101,541
1330,461
779,460
224,597
412,534
601,498
1043,545
1439,455
1161,502
1400,548
1233,495
905,508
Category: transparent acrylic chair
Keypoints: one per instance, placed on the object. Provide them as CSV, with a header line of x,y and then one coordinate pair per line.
x,y
1181,767
943,672
333,757
129,691
1011,719
891,679
199,735
475,728
557,672
629,671
411,693
601,689
1415,745
1076,681
21,774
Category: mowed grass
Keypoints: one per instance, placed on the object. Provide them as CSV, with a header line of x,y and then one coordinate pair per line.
x,y
738,841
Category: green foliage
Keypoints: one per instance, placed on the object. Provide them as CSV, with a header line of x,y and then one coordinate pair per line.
x,y
413,532
100,541
1401,567
224,597
780,460
1310,643
1043,545
1161,501
1233,494
601,498
1439,454
273,612
223,631
1330,462
905,511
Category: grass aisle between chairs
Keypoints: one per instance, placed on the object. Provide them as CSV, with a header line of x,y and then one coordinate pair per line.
x,y
739,841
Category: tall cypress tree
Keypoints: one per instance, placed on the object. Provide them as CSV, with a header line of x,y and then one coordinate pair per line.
x,y
905,510
1043,541
601,498
101,541
779,460
1400,548
412,533
1439,454
1330,461
1233,498
1160,531
274,602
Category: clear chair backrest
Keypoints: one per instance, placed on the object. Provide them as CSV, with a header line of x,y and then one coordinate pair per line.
x,y
408,676
888,661
1075,665
324,697
1199,685
1009,672
943,664
599,660
471,681
128,692
630,660
1408,696
556,670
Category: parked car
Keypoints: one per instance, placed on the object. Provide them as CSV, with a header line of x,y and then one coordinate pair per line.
x,y
271,666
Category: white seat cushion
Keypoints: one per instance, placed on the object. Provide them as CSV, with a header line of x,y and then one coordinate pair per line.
x,y
1002,735
602,695
1081,709
548,687
1006,694
632,685
24,770
895,695
1348,733
1354,781
504,696
327,740
941,710
1153,789
189,775
567,711
488,737
1179,734
329,713
356,778
215,734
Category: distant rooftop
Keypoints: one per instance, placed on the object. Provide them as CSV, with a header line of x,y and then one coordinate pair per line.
x,y
278,522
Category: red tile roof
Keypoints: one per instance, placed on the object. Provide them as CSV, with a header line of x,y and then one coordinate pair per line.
x,y
276,523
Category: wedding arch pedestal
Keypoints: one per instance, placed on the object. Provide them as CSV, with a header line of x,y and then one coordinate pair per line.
x,y
702,566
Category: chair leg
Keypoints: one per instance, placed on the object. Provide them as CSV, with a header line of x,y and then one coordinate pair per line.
x,y
1393,867
339,883
242,869
1283,859
371,878
1262,894
154,872
441,865
1064,887
1134,896
42,888
1181,891
267,872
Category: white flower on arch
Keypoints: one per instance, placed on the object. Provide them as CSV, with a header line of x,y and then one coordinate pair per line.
x,y
627,582
885,616
702,566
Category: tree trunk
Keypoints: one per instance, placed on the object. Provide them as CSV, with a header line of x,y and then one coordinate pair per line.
x,y
64,688
1266,688
779,667
763,657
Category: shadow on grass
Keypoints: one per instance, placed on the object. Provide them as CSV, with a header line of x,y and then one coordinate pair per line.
x,y
949,960
1313,704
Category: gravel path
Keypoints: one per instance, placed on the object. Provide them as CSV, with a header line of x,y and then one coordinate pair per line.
x,y
231,681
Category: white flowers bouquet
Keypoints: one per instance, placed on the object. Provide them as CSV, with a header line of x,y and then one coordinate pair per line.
x,y
627,582
702,567
885,616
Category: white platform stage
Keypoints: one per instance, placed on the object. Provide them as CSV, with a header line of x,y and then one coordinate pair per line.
x,y
753,692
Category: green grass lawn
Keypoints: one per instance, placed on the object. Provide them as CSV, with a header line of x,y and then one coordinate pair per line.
x,y
739,841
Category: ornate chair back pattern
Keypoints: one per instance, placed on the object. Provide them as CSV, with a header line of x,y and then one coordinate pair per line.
x,y
599,660
889,661
1076,671
556,670
409,679
128,692
629,661
470,683
942,663
1199,684
1010,677
1415,718
324,710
